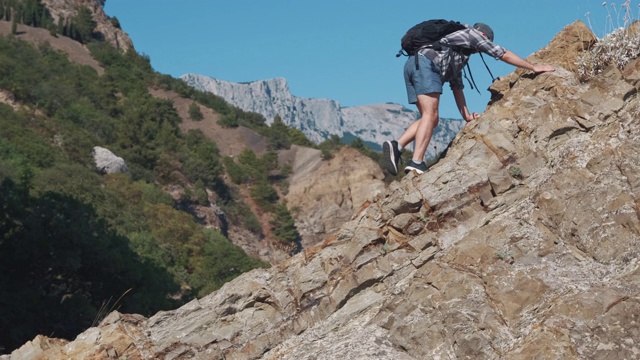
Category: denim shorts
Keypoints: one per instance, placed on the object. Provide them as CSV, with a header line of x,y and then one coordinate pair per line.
x,y
425,80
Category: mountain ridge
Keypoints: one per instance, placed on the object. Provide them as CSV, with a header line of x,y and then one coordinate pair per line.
x,y
319,118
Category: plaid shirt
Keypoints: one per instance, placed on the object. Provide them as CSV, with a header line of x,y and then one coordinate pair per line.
x,y
451,63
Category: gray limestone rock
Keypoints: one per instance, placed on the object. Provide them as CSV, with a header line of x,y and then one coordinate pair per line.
x,y
107,162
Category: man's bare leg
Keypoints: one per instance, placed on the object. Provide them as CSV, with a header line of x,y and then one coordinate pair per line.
x,y
428,107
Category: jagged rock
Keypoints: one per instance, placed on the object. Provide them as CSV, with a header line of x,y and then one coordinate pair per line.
x,y
107,162
545,267
324,194
67,9
318,119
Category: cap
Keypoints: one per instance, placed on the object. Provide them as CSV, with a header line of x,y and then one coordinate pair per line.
x,y
486,29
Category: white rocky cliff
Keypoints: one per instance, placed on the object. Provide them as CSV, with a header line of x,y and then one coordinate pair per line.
x,y
321,118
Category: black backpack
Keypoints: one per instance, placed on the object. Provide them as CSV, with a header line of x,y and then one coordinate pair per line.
x,y
426,33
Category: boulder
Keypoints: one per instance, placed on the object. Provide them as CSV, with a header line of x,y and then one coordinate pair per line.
x,y
107,162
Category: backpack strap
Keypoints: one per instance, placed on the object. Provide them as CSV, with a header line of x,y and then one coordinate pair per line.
x,y
471,82
487,66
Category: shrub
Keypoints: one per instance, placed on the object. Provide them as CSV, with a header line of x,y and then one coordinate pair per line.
x,y
200,193
329,146
229,120
222,262
515,172
194,112
617,48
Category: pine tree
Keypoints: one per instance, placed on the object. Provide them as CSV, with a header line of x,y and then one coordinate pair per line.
x,y
284,227
29,14
278,135
84,25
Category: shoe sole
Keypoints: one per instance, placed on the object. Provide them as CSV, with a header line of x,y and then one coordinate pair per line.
x,y
389,160
408,169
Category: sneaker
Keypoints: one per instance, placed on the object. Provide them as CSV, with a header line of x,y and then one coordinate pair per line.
x,y
412,165
391,156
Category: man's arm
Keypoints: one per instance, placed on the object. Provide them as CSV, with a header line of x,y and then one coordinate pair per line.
x,y
461,102
515,60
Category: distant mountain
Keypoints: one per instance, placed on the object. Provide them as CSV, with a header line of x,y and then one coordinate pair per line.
x,y
321,118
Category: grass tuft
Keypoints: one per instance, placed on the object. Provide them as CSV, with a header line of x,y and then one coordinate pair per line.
x,y
618,47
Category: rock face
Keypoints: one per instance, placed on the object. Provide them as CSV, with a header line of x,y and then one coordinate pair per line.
x,y
321,118
520,244
67,9
324,194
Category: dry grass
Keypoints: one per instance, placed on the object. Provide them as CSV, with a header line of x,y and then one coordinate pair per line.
x,y
619,47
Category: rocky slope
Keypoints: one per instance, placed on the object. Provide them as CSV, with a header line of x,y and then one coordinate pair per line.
x,y
77,52
520,244
313,220
324,194
67,9
321,118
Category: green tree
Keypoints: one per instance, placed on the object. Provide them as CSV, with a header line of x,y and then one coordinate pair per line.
x,y
235,171
200,193
229,120
251,165
264,194
283,225
278,135
222,262
248,157
60,263
194,112
60,27
269,161
84,24
297,137
359,145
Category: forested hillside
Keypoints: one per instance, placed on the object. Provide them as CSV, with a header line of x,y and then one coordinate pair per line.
x,y
75,243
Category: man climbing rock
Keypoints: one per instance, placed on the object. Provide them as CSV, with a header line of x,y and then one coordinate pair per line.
x,y
431,63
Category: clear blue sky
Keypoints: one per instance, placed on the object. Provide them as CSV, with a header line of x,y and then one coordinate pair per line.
x,y
338,49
